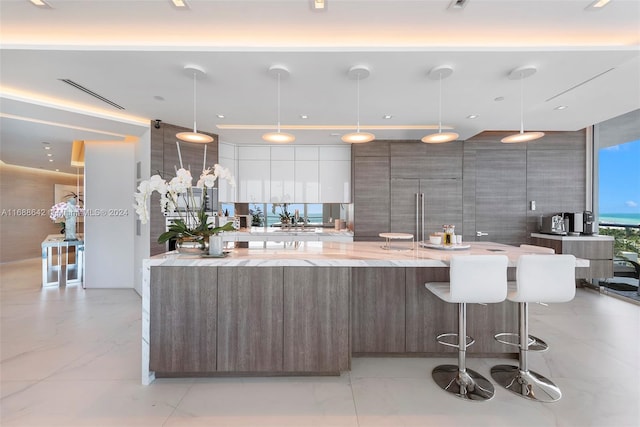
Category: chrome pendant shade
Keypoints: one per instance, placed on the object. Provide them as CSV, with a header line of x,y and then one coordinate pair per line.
x,y
194,136
441,72
521,74
358,72
279,137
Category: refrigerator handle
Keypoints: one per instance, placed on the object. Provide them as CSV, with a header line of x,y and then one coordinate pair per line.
x,y
417,215
422,216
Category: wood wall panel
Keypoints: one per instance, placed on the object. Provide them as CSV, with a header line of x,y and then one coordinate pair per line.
x,y
316,319
250,319
22,233
164,161
183,320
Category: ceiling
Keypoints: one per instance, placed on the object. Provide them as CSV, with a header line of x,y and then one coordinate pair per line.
x,y
133,53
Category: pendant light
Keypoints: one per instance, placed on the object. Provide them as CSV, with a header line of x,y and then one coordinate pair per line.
x,y
441,72
278,137
521,74
194,136
358,72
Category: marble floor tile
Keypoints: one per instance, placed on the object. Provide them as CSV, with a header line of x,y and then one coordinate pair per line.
x,y
71,357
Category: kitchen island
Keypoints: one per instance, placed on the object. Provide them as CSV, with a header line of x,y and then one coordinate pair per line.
x,y
305,310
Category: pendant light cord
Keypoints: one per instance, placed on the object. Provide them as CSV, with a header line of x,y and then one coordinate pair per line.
x,y
521,102
194,103
278,102
358,104
440,102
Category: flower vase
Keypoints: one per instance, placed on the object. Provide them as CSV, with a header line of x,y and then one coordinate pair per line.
x,y
194,245
215,245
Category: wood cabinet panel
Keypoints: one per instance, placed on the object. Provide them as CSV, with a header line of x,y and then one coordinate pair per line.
x,y
375,149
250,319
442,203
419,160
371,196
403,202
500,195
183,319
316,319
378,310
599,254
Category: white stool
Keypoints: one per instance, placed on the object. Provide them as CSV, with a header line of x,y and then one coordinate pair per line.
x,y
472,279
535,343
545,278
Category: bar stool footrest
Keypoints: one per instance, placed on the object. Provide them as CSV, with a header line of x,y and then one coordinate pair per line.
x,y
442,340
513,339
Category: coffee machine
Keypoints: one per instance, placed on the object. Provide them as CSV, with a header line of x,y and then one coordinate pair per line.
x,y
587,228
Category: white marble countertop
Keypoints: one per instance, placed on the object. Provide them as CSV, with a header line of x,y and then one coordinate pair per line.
x,y
308,234
342,254
592,238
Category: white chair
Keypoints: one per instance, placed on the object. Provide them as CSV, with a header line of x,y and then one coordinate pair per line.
x,y
545,278
535,343
472,279
538,249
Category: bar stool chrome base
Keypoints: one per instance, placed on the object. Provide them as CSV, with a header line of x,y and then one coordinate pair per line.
x,y
528,384
535,343
467,385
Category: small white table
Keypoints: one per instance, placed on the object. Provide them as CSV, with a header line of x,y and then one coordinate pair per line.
x,y
388,237
62,261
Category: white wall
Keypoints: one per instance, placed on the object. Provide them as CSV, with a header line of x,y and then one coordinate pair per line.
x,y
142,232
110,220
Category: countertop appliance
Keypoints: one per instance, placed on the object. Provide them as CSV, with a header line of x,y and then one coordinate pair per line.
x,y
574,222
553,224
587,228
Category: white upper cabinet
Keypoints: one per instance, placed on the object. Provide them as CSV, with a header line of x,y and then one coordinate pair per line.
x,y
282,181
254,181
307,185
335,181
292,174
335,174
227,159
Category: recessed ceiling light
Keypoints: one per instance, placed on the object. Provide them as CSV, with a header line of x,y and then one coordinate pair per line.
x,y
387,116
318,4
180,4
47,148
51,160
498,99
57,170
220,116
304,116
49,155
597,4
41,4
472,116
561,107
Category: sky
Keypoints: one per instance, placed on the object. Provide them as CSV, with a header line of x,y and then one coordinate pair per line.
x,y
620,178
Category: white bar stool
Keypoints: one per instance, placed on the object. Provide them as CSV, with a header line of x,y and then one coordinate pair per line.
x,y
535,343
472,279
544,278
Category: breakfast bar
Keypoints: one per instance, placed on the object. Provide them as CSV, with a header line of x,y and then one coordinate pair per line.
x,y
306,310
